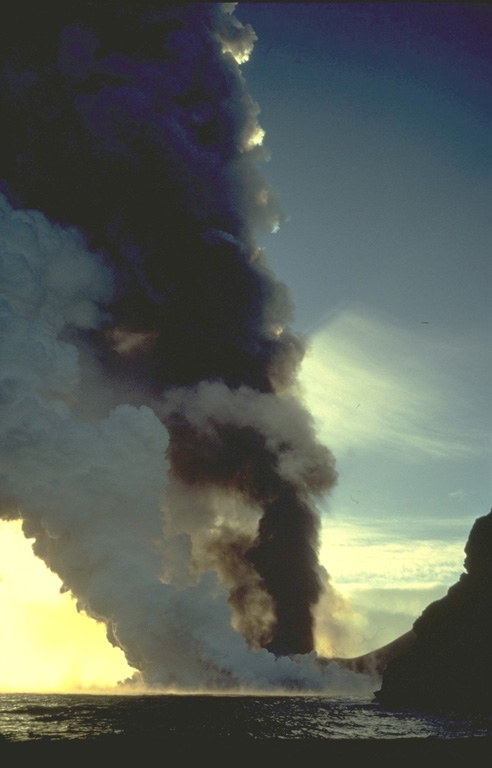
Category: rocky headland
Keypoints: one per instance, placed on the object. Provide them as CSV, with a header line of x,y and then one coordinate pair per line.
x,y
447,663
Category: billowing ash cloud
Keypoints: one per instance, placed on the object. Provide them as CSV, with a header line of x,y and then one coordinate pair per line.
x,y
150,438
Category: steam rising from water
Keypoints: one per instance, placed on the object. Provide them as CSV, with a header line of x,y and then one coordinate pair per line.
x,y
150,440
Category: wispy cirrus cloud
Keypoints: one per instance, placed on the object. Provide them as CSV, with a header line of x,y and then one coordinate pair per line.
x,y
375,553
371,383
386,577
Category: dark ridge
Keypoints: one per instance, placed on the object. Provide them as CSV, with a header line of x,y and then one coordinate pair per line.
x,y
449,666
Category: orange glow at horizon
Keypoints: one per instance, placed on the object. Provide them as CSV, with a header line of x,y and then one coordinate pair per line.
x,y
45,644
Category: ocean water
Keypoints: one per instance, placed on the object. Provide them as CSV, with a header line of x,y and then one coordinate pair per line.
x,y
194,718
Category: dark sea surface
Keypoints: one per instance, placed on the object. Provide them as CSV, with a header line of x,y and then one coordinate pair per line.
x,y
195,720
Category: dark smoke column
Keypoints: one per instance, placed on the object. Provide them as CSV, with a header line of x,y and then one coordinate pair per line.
x,y
285,555
132,122
263,445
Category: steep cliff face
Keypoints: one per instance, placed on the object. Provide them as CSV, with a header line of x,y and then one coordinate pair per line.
x,y
449,666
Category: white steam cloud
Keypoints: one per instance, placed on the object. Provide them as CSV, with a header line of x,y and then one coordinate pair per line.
x,y
150,440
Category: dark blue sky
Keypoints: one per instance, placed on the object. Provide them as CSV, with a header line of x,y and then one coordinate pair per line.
x,y
378,121
377,118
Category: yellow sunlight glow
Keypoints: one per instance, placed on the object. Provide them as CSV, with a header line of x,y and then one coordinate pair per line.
x,y
256,137
45,644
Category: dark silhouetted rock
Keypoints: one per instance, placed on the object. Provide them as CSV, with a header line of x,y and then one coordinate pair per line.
x,y
449,665
375,662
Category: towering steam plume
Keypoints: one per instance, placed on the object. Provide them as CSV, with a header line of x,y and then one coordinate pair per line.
x,y
151,441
